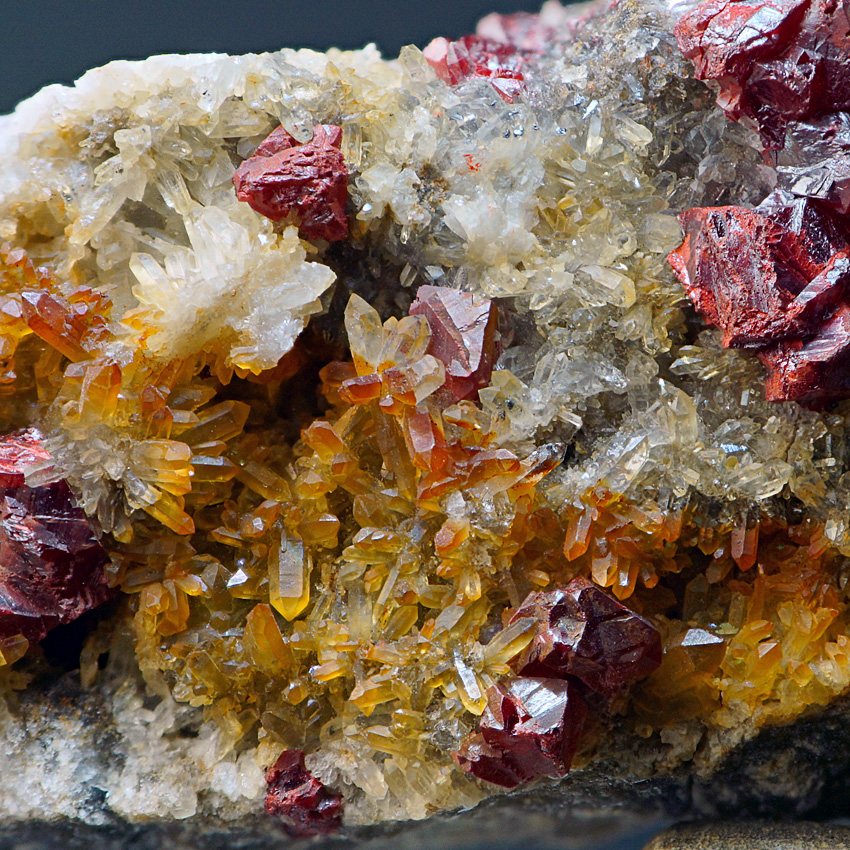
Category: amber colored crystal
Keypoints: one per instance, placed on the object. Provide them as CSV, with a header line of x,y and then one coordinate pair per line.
x,y
585,633
684,686
301,801
531,727
51,563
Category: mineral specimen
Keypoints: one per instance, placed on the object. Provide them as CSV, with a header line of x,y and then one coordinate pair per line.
x,y
464,337
774,278
422,450
51,563
530,728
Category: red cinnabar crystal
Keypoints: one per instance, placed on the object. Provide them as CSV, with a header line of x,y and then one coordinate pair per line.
x,y
474,56
307,181
776,279
464,335
585,633
531,727
776,61
303,803
51,563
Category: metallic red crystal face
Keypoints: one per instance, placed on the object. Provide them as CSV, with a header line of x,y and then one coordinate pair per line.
x,y
775,279
531,728
464,335
776,61
308,181
304,805
586,634
51,563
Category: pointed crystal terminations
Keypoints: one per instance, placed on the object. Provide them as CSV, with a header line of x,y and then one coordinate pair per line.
x,y
585,633
531,727
464,336
301,801
476,56
51,563
308,181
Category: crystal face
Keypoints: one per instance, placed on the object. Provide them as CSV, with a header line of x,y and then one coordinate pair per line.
x,y
774,278
409,450
583,633
51,563
308,181
530,728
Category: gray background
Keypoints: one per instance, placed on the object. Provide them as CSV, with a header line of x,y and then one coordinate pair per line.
x,y
50,41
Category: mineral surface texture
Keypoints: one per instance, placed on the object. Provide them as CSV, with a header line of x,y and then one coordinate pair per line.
x,y
51,563
775,278
419,472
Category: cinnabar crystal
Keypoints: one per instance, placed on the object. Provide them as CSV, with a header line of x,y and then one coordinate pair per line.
x,y
51,563
757,280
585,633
307,181
531,727
776,61
302,802
474,56
776,279
464,335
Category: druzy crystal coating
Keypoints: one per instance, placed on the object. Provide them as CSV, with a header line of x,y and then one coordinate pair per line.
x,y
329,472
52,567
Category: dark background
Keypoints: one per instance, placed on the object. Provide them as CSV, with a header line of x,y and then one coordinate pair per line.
x,y
55,41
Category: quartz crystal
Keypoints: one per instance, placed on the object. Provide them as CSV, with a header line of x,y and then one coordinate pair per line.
x,y
406,451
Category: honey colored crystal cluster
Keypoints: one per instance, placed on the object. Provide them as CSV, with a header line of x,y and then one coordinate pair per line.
x,y
378,409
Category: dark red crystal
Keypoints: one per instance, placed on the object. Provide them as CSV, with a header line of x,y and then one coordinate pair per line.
x,y
758,280
531,728
814,371
301,801
464,336
52,567
585,633
308,181
776,279
776,61
475,56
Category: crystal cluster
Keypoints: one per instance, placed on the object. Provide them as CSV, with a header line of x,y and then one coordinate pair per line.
x,y
775,278
584,642
408,450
